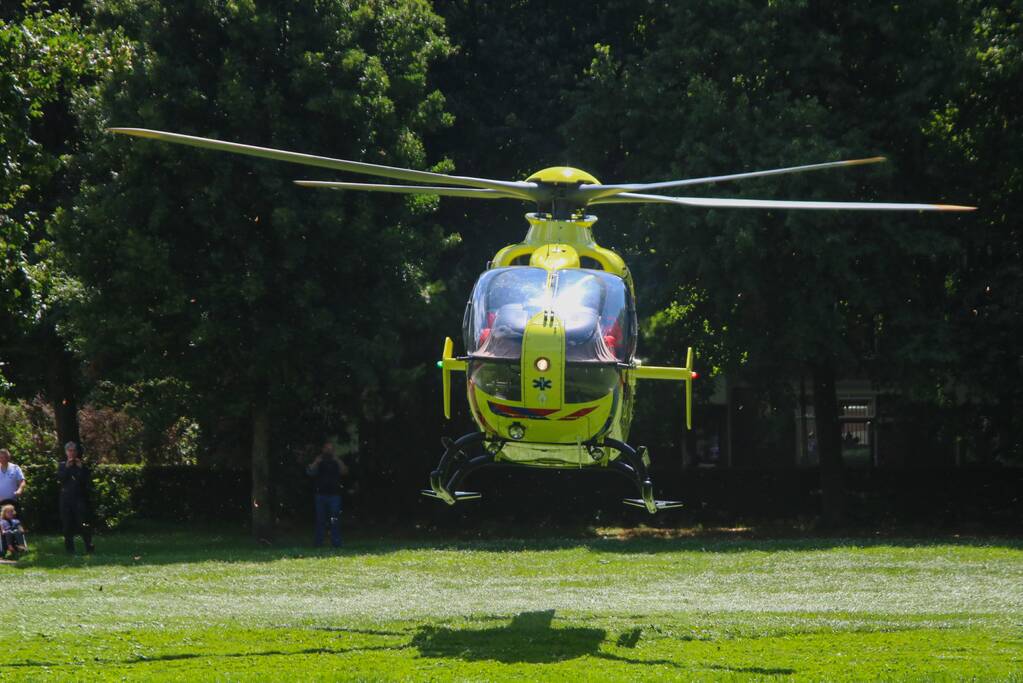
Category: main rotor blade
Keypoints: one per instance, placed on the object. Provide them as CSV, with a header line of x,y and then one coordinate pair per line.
x,y
471,193
716,202
598,191
520,189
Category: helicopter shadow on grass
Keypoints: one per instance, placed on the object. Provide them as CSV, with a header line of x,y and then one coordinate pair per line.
x,y
529,638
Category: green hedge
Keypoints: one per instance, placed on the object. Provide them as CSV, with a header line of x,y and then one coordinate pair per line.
x,y
123,492
199,495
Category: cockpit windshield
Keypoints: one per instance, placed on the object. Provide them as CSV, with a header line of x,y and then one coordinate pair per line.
x,y
594,307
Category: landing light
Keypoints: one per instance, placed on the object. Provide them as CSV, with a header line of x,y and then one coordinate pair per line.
x,y
542,364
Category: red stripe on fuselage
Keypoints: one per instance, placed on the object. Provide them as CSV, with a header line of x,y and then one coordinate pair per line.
x,y
515,411
579,413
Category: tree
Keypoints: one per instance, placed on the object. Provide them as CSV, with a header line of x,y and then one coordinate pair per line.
x,y
46,57
218,271
507,83
723,88
980,131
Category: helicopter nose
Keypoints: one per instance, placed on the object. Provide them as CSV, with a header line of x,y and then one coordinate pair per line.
x,y
542,364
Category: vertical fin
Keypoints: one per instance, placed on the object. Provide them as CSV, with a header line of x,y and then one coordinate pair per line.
x,y
689,388
446,372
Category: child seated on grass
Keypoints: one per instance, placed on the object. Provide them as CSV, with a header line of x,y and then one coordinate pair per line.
x,y
13,532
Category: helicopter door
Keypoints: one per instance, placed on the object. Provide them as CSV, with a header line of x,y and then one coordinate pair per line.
x,y
598,313
503,301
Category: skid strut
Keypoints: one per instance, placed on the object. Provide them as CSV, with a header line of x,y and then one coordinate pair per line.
x,y
457,463
454,465
634,464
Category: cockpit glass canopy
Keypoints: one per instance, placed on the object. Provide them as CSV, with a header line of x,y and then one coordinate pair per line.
x,y
595,309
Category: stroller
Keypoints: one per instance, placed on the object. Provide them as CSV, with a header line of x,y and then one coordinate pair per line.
x,y
12,541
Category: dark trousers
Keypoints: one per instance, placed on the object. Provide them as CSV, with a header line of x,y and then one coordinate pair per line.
x,y
328,512
74,517
13,539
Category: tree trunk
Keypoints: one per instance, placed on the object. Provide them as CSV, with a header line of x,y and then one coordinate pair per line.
x,y
60,387
829,444
803,432
262,510
1005,434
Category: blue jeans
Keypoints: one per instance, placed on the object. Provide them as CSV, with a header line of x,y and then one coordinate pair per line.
x,y
328,511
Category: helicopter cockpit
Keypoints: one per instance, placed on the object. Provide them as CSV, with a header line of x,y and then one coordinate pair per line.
x,y
595,308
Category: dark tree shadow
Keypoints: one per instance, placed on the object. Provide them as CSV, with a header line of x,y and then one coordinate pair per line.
x,y
149,544
170,657
759,670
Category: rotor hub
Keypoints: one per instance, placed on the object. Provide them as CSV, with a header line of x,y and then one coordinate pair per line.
x,y
558,193
562,175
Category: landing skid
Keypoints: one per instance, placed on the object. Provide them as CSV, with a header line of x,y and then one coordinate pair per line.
x,y
634,465
454,466
658,505
452,497
457,463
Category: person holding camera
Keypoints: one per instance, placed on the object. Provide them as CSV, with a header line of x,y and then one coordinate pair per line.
x,y
75,481
326,471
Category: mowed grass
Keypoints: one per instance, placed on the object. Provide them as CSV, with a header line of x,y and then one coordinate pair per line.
x,y
206,606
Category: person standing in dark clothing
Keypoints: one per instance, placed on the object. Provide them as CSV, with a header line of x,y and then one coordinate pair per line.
x,y
75,482
326,471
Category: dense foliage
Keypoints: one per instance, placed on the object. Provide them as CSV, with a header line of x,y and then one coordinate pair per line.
x,y
120,493
268,302
791,293
46,59
201,294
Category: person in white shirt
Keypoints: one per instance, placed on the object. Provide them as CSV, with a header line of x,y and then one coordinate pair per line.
x,y
12,481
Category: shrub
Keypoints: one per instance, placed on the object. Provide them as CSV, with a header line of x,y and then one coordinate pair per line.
x,y
110,435
27,431
115,493
124,492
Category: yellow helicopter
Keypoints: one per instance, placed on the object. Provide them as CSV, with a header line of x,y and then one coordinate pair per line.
x,y
550,328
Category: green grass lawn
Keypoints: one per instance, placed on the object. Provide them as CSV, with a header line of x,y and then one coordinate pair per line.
x,y
172,606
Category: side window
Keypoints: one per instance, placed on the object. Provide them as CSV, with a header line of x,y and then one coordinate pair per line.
x,y
500,380
585,383
599,315
502,302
